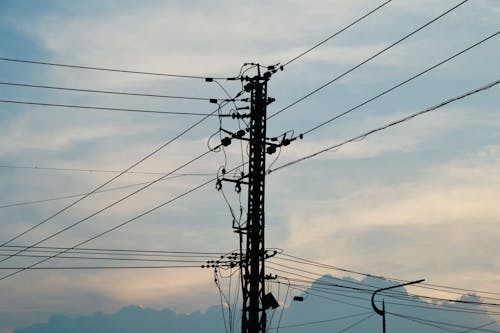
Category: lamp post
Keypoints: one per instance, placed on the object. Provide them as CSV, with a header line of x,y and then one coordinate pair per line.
x,y
382,312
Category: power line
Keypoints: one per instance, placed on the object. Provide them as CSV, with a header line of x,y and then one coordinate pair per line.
x,y
105,207
336,34
407,118
320,321
94,268
422,285
109,230
87,250
213,100
399,84
423,320
207,78
366,60
98,170
112,179
115,227
86,107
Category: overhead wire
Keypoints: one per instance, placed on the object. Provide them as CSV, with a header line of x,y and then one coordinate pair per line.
x,y
401,83
407,118
87,107
112,179
320,321
114,203
116,227
420,285
366,60
114,70
438,322
121,93
336,33
98,170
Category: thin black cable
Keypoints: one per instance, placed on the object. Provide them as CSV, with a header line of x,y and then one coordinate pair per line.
x,y
122,93
110,180
109,230
356,323
100,191
423,320
320,321
400,84
106,207
86,107
115,227
201,261
98,170
34,248
366,60
337,33
94,268
407,118
115,70
421,285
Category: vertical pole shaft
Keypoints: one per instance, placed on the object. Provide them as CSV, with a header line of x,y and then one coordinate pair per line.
x,y
383,316
254,316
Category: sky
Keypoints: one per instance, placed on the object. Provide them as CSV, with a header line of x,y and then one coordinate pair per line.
x,y
417,200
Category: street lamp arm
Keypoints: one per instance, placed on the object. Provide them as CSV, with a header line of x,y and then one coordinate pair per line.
x,y
381,312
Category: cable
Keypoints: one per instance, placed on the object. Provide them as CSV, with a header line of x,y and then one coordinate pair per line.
x,y
113,228
407,118
107,206
115,70
336,34
122,252
99,170
86,107
108,230
321,321
110,92
421,285
110,180
367,60
428,321
356,323
400,84
94,268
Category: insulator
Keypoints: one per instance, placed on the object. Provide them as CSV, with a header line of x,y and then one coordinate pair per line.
x,y
285,142
271,150
218,185
226,141
237,187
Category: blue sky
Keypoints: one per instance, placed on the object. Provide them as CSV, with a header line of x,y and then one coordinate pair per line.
x,y
417,200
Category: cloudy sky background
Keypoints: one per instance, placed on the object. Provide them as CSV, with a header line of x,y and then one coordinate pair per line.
x,y
419,200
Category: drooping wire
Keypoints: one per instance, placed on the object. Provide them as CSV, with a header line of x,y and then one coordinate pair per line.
x,y
407,118
98,170
111,180
106,207
114,70
366,60
86,107
108,92
336,33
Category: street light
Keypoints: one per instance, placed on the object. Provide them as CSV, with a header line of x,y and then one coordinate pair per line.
x,y
382,312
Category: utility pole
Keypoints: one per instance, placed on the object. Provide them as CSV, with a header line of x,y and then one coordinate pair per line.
x,y
254,315
251,260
